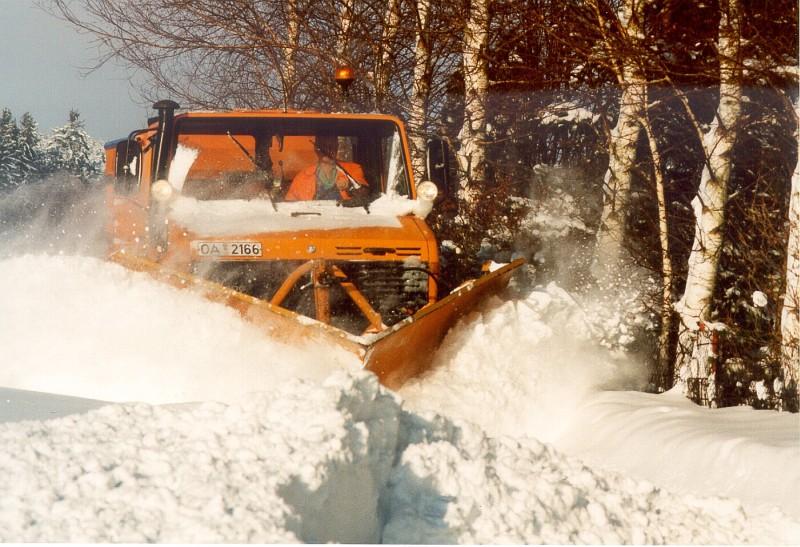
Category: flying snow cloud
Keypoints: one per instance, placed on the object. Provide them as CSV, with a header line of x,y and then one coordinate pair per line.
x,y
534,358
117,335
59,215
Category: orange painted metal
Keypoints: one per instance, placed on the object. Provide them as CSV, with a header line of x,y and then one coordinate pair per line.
x,y
319,269
291,280
395,355
322,297
374,318
408,348
142,240
278,323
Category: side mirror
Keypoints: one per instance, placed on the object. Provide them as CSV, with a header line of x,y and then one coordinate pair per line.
x,y
126,169
438,165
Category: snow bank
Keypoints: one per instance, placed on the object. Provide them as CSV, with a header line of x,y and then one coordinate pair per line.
x,y
117,335
337,461
343,460
738,452
207,472
533,358
474,489
538,368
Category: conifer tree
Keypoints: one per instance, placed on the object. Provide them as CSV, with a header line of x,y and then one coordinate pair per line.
x,y
30,147
69,149
11,172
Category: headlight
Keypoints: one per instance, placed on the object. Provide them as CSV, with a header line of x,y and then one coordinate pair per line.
x,y
161,191
426,190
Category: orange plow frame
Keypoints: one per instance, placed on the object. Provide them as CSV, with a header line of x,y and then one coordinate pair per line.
x,y
394,354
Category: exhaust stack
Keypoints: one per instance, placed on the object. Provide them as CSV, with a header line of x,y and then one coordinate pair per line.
x,y
166,114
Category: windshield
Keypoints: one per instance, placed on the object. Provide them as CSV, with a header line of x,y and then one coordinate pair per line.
x,y
292,159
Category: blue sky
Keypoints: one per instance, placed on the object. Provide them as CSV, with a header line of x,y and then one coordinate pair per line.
x,y
43,62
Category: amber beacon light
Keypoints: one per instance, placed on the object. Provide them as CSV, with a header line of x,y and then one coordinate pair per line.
x,y
344,76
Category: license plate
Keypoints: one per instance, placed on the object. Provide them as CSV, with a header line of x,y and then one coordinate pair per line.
x,y
227,249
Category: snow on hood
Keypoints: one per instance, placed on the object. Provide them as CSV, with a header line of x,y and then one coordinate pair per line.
x,y
231,217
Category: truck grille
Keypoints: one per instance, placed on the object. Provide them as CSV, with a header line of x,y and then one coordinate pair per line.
x,y
394,289
378,251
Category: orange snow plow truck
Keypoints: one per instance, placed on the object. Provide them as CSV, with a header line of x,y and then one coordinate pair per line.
x,y
310,225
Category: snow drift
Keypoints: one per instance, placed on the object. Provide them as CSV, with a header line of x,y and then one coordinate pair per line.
x,y
265,443
337,461
120,336
533,358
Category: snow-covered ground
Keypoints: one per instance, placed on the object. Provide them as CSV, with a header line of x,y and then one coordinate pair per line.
x,y
523,434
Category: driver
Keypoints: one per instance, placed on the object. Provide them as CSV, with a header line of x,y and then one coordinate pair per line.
x,y
328,178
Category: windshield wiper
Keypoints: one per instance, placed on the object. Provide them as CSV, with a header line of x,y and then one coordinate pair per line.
x,y
255,164
358,198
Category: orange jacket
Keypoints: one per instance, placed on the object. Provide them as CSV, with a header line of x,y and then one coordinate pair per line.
x,y
304,184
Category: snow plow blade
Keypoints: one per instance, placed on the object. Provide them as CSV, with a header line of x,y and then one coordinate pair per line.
x,y
407,349
395,355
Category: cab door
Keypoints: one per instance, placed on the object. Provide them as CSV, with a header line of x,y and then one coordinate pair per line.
x,y
128,198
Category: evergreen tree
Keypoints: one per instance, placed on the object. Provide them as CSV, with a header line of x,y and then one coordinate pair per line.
x,y
69,149
11,172
30,148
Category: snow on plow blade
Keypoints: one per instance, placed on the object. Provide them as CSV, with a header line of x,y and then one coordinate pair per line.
x,y
395,355
407,349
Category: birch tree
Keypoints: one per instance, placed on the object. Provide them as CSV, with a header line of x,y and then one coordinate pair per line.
x,y
790,315
345,24
694,307
385,53
662,374
289,74
624,135
472,154
625,49
418,112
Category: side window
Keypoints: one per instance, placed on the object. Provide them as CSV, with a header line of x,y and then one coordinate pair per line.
x,y
127,167
395,169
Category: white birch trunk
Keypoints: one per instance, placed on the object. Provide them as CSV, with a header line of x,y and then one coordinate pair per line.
x,y
609,250
709,209
662,377
290,54
418,114
345,22
388,37
472,154
790,316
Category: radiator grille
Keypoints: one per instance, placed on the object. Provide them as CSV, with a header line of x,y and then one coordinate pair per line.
x,y
394,289
378,251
